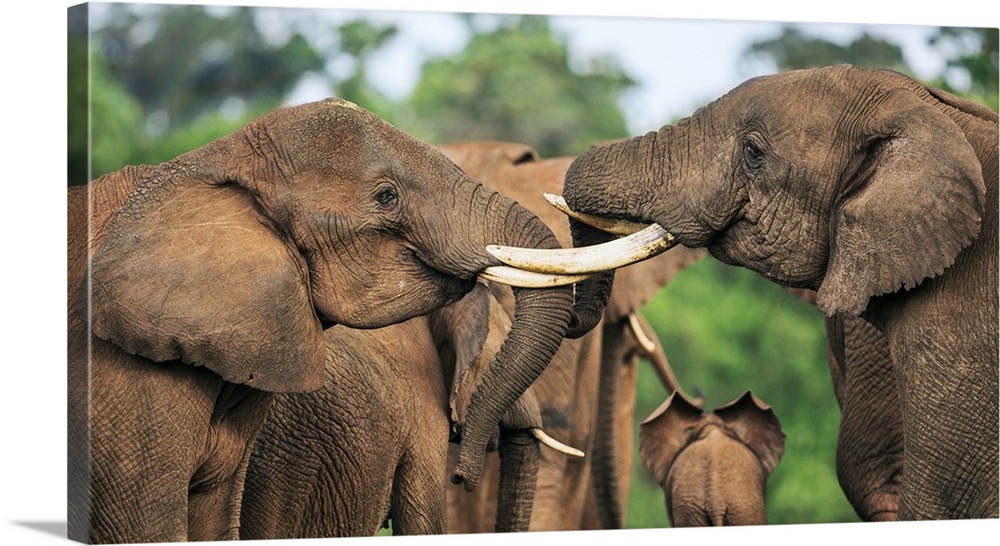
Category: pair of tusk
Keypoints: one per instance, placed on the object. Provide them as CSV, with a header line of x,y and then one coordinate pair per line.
x,y
643,244
543,268
545,439
614,226
513,276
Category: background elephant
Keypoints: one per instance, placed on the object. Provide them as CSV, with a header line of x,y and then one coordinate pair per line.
x,y
207,282
864,185
713,467
569,389
382,417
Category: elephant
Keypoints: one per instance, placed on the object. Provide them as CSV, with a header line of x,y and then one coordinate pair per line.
x,y
714,466
199,287
863,184
383,413
588,390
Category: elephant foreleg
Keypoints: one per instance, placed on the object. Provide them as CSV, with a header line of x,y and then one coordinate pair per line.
x,y
216,489
870,443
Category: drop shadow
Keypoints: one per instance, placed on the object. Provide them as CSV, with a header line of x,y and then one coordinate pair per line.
x,y
54,528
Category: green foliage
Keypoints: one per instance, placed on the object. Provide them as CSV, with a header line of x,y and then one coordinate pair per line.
x,y
185,61
974,55
792,50
515,83
726,330
359,39
167,79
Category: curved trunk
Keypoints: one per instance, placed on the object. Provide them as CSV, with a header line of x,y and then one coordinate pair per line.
x,y
540,321
591,294
598,180
541,317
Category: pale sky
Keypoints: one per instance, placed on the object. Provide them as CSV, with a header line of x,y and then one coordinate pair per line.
x,y
679,64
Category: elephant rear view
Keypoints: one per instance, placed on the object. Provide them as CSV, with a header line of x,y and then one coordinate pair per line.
x,y
200,286
713,467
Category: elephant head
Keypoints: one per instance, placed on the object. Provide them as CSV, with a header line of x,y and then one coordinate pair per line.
x,y
236,255
713,467
845,180
872,189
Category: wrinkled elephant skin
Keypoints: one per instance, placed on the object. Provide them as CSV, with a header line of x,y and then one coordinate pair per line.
x,y
200,286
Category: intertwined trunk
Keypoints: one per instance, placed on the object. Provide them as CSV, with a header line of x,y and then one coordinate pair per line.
x,y
541,317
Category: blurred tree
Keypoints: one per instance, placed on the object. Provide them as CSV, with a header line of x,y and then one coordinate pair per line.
x,y
77,94
183,61
166,79
973,60
792,50
359,39
517,82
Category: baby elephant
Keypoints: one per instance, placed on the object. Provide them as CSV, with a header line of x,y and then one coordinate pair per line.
x,y
713,467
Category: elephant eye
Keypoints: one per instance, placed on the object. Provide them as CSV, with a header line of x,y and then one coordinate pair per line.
x,y
386,198
753,153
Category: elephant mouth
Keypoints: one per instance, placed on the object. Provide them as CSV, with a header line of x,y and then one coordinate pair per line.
x,y
637,242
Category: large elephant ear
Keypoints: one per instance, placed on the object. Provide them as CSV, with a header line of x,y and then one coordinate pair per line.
x,y
190,270
756,425
667,431
912,204
460,331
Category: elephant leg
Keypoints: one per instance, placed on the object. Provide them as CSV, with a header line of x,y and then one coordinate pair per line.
x,y
216,489
870,443
147,426
418,502
949,428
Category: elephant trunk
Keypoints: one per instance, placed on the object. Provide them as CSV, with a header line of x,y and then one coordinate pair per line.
x,y
520,458
604,454
597,181
541,317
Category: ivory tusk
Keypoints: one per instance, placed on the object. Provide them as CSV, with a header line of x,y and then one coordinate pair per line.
x,y
540,435
647,243
527,279
619,227
647,344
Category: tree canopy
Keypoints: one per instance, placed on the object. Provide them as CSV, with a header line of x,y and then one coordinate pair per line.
x,y
515,83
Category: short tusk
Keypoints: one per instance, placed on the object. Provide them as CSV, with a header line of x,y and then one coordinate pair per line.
x,y
527,279
647,344
614,226
540,435
639,246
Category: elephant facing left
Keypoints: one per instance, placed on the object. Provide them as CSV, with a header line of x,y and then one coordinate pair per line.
x,y
199,286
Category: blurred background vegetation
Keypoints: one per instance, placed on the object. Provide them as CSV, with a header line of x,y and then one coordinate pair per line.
x,y
161,80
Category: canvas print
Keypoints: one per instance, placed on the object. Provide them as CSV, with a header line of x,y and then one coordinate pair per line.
x,y
347,273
